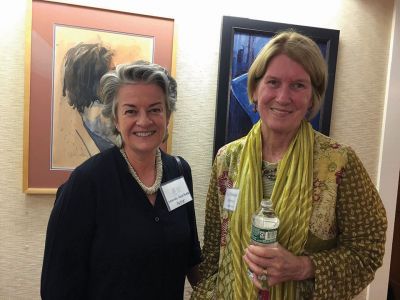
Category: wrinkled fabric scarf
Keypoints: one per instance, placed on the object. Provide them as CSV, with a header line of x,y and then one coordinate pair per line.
x,y
291,196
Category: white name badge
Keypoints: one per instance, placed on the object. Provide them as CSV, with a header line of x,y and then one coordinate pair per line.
x,y
176,193
231,198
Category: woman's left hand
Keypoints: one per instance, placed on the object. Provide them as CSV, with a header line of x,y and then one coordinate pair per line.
x,y
278,264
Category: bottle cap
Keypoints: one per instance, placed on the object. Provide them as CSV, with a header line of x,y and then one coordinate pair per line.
x,y
266,203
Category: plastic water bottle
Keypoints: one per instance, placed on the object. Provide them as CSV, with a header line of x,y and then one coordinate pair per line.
x,y
264,230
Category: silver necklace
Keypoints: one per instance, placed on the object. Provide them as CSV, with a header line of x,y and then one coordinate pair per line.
x,y
159,170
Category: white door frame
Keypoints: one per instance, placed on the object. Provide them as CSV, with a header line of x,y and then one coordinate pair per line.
x,y
389,158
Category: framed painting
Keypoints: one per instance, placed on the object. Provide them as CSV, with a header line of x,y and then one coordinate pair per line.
x,y
69,48
241,40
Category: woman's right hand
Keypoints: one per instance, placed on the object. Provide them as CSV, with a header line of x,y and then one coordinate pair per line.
x,y
278,264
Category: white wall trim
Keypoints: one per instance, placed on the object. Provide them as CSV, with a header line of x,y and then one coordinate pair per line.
x,y
389,158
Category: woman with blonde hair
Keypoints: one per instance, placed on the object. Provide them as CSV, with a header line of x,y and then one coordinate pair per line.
x,y
331,237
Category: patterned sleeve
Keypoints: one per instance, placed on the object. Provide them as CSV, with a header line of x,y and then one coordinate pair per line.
x,y
208,268
343,272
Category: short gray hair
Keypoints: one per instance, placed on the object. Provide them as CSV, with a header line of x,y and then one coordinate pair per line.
x,y
131,73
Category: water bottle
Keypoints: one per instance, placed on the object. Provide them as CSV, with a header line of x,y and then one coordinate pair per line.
x,y
264,230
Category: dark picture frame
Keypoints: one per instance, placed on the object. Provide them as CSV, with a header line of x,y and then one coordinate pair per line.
x,y
241,39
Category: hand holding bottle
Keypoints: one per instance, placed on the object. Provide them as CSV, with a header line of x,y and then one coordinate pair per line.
x,y
264,232
278,264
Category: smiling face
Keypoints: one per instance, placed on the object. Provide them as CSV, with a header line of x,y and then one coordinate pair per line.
x,y
141,117
283,96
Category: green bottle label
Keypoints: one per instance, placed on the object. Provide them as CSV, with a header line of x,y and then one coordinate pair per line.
x,y
263,236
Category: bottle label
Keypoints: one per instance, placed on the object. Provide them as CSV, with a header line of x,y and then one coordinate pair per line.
x,y
263,236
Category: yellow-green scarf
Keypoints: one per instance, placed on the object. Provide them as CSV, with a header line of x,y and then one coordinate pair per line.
x,y
292,203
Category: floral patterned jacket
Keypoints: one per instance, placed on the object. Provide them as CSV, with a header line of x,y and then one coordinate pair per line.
x,y
347,227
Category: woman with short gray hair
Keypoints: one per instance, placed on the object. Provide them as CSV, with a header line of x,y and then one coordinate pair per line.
x,y
141,71
123,225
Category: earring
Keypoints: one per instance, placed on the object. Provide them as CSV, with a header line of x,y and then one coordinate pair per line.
x,y
118,140
116,127
255,107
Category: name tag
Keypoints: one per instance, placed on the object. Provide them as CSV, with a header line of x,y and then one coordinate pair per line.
x,y
175,193
231,198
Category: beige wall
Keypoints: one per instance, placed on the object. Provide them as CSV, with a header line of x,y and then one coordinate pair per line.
x,y
356,118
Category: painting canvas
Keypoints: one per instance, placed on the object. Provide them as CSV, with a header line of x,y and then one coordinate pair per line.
x,y
79,130
241,41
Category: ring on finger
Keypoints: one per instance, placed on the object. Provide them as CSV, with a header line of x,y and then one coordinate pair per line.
x,y
263,275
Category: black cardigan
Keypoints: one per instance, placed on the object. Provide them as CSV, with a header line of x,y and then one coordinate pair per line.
x,y
106,241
